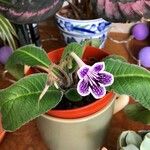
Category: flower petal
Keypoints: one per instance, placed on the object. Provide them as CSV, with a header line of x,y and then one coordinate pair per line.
x,y
83,88
97,67
83,71
105,78
98,91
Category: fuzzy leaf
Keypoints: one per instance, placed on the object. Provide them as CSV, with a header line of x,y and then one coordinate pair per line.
x,y
94,42
136,113
115,57
26,55
19,102
131,80
73,95
72,47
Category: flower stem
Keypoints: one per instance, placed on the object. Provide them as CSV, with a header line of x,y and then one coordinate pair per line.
x,y
77,59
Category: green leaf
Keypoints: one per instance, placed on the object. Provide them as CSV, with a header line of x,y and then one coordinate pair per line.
x,y
6,1
11,28
19,102
7,32
72,47
17,71
27,55
115,57
73,95
137,112
96,42
131,80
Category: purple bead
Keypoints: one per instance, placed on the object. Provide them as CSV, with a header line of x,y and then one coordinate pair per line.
x,y
5,52
140,31
144,57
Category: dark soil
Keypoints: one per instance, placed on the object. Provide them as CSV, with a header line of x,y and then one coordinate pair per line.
x,y
67,104
80,14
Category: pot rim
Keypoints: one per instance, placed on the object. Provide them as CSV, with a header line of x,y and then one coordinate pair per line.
x,y
83,111
75,120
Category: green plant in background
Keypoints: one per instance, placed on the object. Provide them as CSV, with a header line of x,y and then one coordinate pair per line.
x,y
7,33
35,94
130,140
7,39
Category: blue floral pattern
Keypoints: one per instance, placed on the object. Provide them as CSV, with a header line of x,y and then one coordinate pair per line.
x,y
87,28
68,26
78,30
103,25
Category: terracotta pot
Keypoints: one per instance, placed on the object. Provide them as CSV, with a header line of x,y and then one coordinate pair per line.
x,y
89,54
82,128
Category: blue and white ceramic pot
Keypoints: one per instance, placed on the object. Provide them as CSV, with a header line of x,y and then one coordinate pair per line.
x,y
80,30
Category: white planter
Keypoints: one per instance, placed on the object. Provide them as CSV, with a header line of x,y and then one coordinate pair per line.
x,y
80,30
78,134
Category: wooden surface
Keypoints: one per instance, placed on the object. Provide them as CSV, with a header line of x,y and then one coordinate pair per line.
x,y
28,137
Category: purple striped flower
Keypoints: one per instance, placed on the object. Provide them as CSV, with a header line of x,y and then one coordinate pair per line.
x,y
93,79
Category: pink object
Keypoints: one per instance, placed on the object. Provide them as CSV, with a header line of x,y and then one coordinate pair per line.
x,y
104,148
123,11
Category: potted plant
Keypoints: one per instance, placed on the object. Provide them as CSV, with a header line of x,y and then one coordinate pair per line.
x,y
66,80
86,19
77,22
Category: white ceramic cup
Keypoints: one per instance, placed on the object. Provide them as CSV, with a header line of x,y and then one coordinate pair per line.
x,y
85,133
